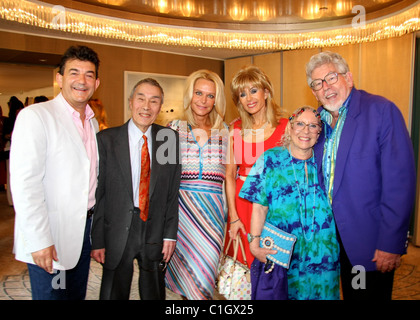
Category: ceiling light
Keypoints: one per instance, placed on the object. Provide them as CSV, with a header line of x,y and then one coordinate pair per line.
x,y
36,16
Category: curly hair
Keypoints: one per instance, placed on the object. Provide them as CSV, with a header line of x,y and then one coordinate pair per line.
x,y
285,139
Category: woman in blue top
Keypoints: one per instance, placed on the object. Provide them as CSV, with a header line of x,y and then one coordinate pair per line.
x,y
283,187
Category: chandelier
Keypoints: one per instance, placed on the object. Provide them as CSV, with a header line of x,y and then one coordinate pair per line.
x,y
38,15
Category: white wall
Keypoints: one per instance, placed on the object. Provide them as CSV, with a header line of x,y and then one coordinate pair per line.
x,y
48,92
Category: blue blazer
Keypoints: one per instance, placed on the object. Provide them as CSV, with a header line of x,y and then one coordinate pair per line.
x,y
375,179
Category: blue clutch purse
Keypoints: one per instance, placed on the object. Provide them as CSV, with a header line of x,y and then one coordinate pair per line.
x,y
275,239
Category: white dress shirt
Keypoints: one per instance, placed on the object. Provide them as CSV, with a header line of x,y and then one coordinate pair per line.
x,y
135,141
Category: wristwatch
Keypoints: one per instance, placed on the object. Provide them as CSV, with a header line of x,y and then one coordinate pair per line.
x,y
251,237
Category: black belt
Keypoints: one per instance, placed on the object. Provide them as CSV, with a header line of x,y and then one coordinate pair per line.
x,y
90,212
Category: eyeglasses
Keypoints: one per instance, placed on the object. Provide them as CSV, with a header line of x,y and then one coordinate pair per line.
x,y
329,79
300,125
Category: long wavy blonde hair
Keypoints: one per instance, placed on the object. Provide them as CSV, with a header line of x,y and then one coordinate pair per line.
x,y
217,114
252,76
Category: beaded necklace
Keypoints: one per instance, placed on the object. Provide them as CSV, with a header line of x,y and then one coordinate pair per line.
x,y
306,190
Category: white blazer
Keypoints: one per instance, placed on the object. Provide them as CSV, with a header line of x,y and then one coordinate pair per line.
x,y
49,179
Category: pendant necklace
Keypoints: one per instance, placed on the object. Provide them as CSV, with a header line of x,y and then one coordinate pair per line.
x,y
254,132
306,190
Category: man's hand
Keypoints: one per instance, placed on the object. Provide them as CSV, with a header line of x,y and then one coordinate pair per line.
x,y
98,255
44,258
385,261
168,249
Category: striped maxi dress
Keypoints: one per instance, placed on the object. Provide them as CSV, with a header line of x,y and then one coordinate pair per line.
x,y
192,270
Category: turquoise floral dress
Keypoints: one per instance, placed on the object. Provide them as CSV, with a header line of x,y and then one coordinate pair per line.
x,y
297,204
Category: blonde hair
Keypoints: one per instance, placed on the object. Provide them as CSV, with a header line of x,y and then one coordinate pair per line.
x,y
252,76
285,139
100,113
217,114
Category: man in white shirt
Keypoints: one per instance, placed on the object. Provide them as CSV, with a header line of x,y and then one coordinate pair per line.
x,y
122,229
53,169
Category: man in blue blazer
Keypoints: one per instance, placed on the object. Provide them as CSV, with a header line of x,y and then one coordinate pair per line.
x,y
366,164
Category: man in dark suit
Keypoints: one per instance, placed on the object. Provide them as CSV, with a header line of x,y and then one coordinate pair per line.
x,y
120,231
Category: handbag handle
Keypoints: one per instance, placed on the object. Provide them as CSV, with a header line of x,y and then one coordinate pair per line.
x,y
235,249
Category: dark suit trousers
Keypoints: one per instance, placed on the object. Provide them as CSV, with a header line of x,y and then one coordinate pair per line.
x,y
116,284
378,285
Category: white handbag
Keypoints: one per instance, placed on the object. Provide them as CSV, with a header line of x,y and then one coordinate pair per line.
x,y
234,278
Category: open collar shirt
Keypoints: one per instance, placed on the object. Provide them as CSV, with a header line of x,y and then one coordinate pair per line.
x,y
332,141
88,136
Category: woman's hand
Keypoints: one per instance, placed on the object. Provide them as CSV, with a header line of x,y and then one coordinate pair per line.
x,y
258,252
235,227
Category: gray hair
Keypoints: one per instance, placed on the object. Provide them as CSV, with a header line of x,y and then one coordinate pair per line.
x,y
150,81
322,58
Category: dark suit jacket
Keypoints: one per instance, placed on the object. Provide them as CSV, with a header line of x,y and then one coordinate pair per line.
x,y
114,196
375,179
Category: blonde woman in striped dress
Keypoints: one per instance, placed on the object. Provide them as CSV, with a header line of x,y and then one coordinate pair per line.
x,y
192,270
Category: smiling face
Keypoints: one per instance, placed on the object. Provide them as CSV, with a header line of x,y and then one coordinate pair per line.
x,y
78,82
253,99
145,105
304,131
332,96
204,97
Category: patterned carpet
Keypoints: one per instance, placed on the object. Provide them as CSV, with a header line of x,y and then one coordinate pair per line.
x,y
14,279
17,287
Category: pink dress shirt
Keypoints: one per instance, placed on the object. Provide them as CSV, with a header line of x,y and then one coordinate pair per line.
x,y
87,133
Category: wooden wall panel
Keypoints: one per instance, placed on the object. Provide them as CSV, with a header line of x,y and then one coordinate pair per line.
x,y
112,78
271,65
351,53
296,92
114,61
231,68
386,70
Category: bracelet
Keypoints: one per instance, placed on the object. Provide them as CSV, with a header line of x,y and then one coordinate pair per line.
x,y
232,222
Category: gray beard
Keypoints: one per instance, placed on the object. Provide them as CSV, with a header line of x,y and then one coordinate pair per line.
x,y
332,108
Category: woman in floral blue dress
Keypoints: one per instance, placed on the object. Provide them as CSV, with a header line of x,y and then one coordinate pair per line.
x,y
283,186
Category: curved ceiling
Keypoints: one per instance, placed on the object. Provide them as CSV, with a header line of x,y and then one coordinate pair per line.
x,y
218,29
253,15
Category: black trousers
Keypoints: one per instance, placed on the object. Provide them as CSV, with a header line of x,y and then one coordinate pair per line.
x,y
370,285
116,284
